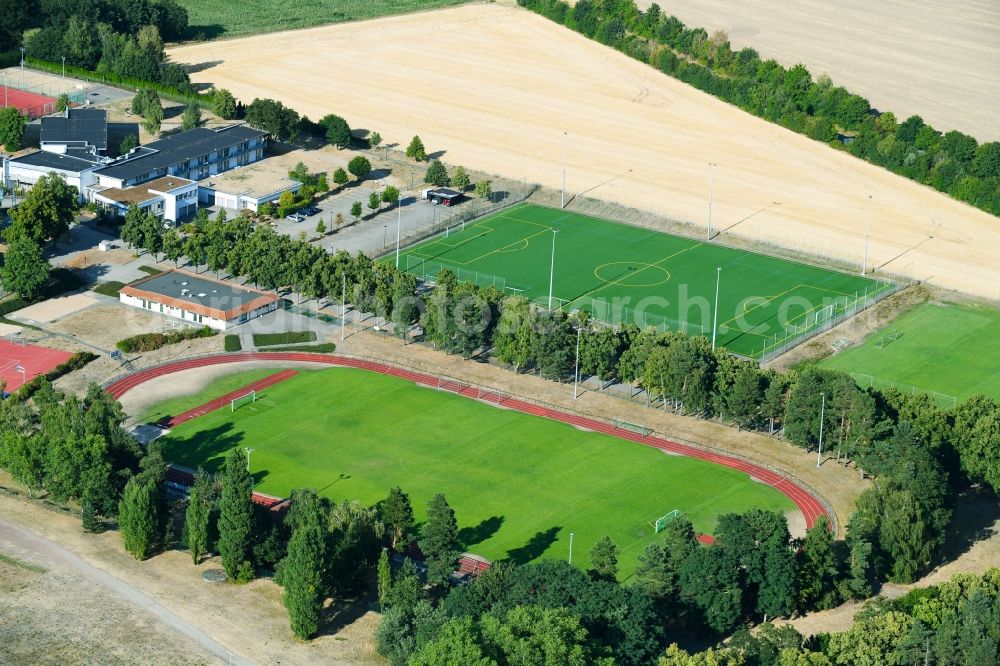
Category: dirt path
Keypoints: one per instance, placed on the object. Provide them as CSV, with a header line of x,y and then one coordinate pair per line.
x,y
55,555
249,621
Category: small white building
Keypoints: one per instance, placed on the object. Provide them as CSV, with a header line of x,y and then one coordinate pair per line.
x,y
75,166
171,198
198,299
247,187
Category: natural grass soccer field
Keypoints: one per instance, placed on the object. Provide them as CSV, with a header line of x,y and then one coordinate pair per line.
x,y
225,18
625,273
519,484
951,349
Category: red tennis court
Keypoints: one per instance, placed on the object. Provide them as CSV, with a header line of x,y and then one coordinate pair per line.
x,y
34,360
33,104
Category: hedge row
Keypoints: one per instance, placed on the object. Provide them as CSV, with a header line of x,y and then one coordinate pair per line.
x,y
128,83
74,362
149,341
288,338
322,348
232,343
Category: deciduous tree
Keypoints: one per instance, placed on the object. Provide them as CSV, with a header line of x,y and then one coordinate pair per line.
x,y
359,167
224,104
12,124
437,174
25,271
338,132
604,558
416,149
46,211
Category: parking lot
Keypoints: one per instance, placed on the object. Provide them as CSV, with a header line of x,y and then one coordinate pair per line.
x,y
377,235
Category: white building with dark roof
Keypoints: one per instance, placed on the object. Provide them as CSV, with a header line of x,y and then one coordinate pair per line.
x,y
198,299
195,154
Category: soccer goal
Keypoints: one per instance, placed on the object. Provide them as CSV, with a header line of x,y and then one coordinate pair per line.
x,y
888,339
247,399
661,523
631,427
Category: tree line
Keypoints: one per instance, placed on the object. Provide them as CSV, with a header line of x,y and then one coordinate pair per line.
x,y
123,38
753,571
957,622
951,162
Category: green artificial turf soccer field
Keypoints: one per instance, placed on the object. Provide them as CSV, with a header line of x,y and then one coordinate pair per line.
x,y
950,349
519,484
616,271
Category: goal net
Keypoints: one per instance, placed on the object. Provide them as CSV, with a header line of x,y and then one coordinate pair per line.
x,y
661,523
247,399
631,427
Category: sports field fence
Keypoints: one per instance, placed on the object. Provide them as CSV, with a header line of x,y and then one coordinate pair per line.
x,y
821,319
513,192
29,98
865,380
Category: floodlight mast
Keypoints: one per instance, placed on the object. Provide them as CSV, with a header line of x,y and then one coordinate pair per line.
x,y
715,316
552,265
711,194
822,413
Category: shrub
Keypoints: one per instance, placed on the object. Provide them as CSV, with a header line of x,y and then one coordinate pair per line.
x,y
232,343
288,338
146,342
109,288
74,362
322,348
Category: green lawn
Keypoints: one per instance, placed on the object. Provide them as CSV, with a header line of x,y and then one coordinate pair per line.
x,y
218,18
519,484
623,273
951,349
219,386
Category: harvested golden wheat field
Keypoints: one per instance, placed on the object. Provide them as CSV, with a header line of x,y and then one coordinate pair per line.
x,y
495,87
939,60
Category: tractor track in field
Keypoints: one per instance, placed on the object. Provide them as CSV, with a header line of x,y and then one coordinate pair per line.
x,y
809,505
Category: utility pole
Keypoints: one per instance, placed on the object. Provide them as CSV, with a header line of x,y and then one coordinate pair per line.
x,y
399,222
343,308
711,194
715,316
822,413
576,373
562,203
552,266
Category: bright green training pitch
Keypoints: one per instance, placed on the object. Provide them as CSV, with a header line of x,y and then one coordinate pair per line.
x,y
519,484
949,350
622,273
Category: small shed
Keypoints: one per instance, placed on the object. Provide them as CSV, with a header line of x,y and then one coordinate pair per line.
x,y
444,196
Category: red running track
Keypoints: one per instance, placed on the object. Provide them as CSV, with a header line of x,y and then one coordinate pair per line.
x,y
809,505
222,401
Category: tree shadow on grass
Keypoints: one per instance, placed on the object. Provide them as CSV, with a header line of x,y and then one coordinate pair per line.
x,y
206,448
341,614
976,518
470,536
536,545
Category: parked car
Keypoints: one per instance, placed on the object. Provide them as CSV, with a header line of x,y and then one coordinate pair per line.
x,y
310,210
295,217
